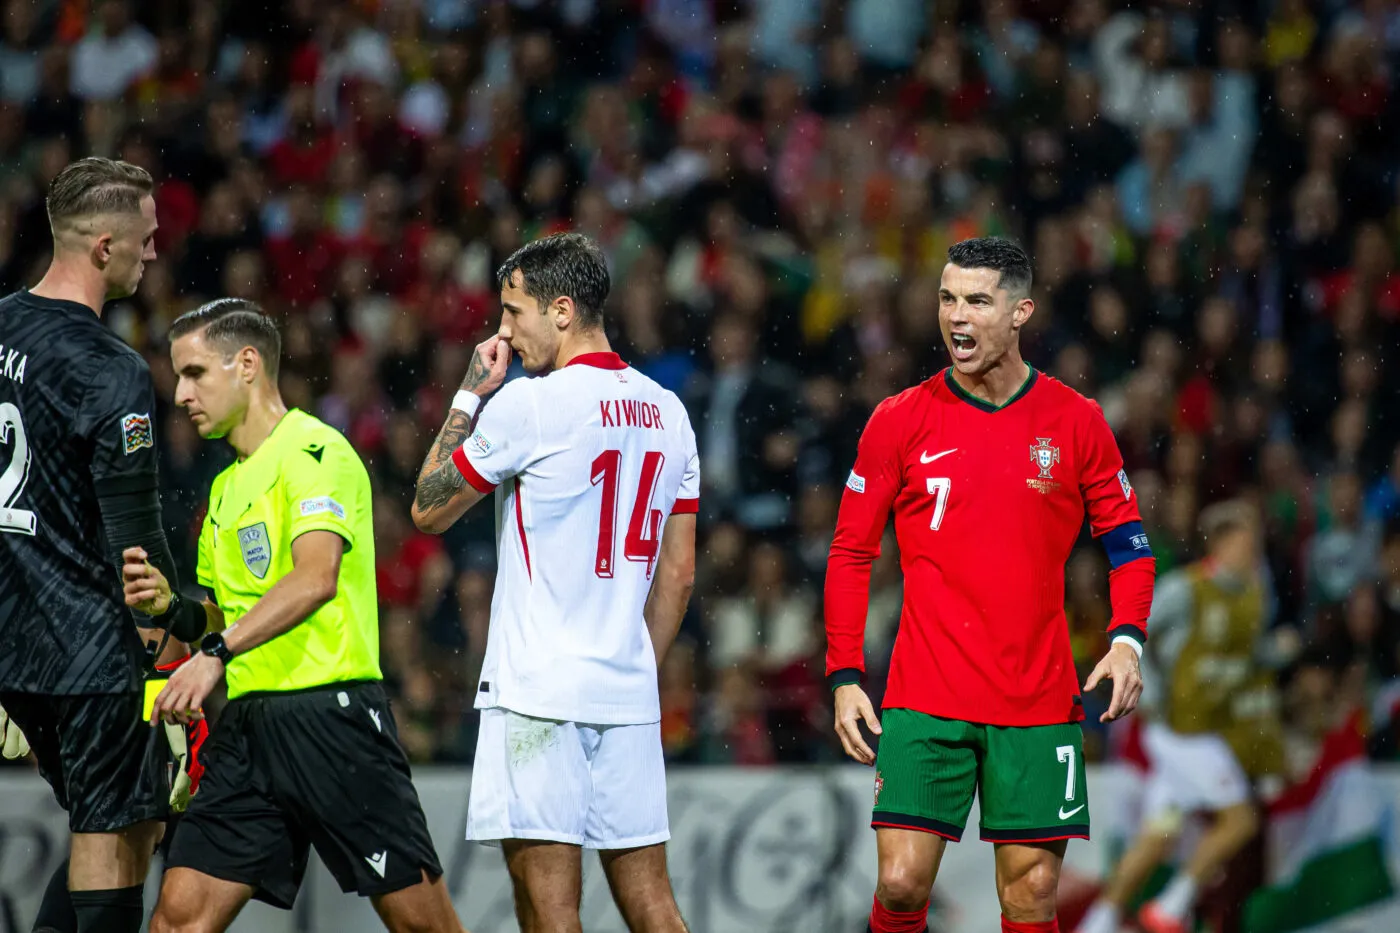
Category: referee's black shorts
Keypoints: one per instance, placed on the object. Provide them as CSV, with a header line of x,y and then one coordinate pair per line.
x,y
107,767
287,771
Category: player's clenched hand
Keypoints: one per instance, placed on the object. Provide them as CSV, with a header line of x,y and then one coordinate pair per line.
x,y
852,705
488,366
182,698
145,587
1121,666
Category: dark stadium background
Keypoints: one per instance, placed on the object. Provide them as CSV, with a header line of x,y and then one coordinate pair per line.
x,y
1209,191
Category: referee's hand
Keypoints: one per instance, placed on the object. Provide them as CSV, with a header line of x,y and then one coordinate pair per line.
x,y
852,705
145,587
182,698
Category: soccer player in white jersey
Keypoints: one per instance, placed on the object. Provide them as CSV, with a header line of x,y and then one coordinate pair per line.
x,y
597,482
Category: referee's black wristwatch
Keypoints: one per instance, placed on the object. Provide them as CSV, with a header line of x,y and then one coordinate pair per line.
x,y
215,646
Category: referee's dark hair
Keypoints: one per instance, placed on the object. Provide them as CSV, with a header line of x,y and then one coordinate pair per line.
x,y
994,252
232,324
562,265
93,186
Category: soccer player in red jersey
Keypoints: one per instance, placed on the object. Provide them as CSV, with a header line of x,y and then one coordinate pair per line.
x,y
990,468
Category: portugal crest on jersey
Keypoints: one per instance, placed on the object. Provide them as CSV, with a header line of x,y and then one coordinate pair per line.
x,y
1044,456
257,549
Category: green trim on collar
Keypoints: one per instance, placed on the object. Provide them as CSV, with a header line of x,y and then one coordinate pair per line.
x,y
982,403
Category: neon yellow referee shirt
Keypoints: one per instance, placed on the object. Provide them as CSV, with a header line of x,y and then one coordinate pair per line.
x,y
304,477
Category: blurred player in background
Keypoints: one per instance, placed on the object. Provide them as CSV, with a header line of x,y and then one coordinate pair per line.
x,y
597,483
306,752
77,472
990,468
1218,726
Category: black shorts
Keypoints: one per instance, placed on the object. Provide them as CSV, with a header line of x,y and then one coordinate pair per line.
x,y
287,771
107,767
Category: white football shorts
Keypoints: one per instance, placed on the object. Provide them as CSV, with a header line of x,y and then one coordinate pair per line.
x,y
1190,774
600,787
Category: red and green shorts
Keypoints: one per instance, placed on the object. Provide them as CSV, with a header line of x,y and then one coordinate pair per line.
x,y
1029,780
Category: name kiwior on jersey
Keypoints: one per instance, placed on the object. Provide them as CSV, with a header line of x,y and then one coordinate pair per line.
x,y
587,463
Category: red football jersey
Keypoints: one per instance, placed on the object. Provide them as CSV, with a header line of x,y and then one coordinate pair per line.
x,y
988,503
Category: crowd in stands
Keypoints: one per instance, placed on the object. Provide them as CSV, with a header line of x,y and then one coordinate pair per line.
x,y
1209,191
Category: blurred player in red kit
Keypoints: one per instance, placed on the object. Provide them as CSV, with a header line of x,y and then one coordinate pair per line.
x,y
990,468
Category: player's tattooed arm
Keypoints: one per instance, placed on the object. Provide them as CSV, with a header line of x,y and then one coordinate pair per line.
x,y
443,493
439,479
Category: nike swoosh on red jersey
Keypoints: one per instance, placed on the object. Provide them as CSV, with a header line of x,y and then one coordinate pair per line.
x,y
925,458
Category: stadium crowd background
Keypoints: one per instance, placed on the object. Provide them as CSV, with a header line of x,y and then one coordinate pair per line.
x,y
1210,191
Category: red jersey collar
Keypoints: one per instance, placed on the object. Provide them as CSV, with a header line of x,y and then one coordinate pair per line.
x,y
982,404
602,360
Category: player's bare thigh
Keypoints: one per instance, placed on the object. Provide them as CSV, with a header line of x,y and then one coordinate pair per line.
x,y
420,907
548,881
1028,878
908,865
193,902
641,888
103,861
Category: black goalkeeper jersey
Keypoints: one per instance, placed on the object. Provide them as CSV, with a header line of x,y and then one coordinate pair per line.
x,y
76,408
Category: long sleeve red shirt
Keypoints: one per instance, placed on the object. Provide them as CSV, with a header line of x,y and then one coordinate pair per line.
x,y
988,503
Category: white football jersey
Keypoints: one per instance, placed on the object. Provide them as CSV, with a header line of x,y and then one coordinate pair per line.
x,y
587,463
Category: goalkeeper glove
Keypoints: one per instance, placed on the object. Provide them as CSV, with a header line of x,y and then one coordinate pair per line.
x,y
180,778
13,744
184,742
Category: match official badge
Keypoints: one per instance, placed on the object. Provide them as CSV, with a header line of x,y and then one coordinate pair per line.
x,y
257,549
136,432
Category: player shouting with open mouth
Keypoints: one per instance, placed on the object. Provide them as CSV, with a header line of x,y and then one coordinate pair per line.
x,y
990,468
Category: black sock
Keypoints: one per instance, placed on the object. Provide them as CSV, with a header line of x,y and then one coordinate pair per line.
x,y
118,910
56,909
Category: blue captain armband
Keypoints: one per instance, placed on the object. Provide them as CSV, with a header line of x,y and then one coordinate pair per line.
x,y
1127,542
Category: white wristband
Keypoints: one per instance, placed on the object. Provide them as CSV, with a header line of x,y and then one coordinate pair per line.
x,y
1127,640
467,401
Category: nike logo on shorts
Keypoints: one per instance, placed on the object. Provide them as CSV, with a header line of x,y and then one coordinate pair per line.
x,y
1065,816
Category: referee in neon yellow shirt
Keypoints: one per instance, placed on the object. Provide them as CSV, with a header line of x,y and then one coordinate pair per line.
x,y
306,752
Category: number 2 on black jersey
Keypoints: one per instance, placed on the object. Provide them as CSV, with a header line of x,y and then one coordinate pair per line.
x,y
13,520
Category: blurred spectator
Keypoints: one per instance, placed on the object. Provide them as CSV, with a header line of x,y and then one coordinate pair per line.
x,y
747,418
1343,552
114,55
1139,70
19,54
886,33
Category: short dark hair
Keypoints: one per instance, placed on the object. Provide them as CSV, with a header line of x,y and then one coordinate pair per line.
x,y
564,264
232,324
93,186
999,253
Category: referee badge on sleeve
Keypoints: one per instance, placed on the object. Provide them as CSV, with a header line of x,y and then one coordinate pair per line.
x,y
257,549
